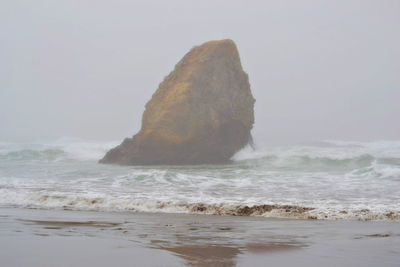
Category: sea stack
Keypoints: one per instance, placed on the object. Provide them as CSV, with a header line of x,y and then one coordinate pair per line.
x,y
202,113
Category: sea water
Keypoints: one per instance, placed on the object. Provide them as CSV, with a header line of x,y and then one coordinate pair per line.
x,y
320,180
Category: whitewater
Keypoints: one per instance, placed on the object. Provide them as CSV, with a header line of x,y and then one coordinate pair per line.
x,y
320,180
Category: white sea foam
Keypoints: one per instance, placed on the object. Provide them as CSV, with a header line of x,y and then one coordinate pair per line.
x,y
104,202
327,149
329,180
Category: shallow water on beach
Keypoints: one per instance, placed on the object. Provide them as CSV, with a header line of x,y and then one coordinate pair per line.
x,y
321,180
82,238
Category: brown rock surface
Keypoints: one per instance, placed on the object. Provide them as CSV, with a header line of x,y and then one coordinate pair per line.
x,y
202,112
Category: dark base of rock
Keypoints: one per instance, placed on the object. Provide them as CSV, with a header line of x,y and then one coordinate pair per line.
x,y
158,156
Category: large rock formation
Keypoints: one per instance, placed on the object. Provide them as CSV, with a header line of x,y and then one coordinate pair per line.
x,y
202,112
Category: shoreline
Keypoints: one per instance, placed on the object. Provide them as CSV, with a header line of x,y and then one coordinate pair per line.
x,y
273,211
61,237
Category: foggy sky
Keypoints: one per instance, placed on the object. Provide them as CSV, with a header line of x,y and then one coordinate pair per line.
x,y
318,69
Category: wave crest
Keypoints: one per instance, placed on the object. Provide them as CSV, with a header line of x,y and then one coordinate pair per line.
x,y
29,154
309,163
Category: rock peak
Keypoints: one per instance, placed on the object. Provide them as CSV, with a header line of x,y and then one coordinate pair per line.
x,y
201,113
220,43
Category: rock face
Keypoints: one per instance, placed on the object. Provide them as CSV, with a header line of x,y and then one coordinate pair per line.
x,y
202,112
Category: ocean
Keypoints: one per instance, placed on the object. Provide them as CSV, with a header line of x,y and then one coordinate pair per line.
x,y
327,180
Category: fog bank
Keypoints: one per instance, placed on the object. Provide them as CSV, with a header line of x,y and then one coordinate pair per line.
x,y
318,69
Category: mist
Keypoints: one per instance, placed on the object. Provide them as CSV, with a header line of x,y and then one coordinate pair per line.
x,y
318,69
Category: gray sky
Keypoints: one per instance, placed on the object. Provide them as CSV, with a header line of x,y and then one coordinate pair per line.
x,y
318,69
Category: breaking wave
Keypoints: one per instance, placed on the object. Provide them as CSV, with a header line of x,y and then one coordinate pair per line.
x,y
329,150
324,180
381,158
64,148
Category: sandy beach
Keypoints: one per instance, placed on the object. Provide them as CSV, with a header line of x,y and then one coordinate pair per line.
x,y
32,237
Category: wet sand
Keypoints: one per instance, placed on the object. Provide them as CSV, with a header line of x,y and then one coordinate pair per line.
x,y
31,237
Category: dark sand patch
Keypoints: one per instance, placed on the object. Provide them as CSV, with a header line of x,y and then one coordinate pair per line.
x,y
41,234
225,228
379,235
